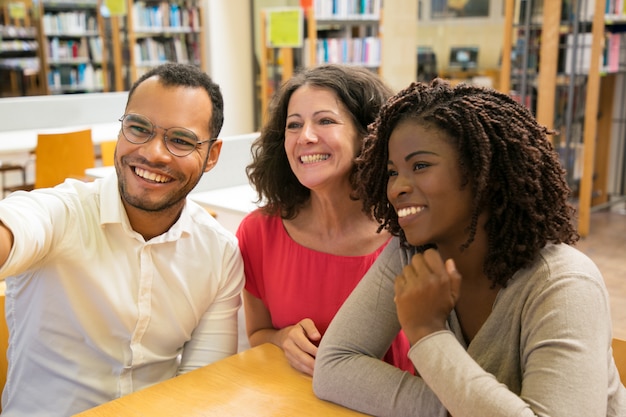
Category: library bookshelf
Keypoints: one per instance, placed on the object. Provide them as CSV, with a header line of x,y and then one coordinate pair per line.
x,y
562,59
20,51
74,59
341,31
161,31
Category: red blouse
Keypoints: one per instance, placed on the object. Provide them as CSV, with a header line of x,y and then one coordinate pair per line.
x,y
295,282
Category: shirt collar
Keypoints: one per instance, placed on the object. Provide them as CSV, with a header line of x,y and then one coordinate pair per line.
x,y
112,211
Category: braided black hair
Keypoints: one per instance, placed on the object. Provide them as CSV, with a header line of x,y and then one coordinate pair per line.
x,y
505,156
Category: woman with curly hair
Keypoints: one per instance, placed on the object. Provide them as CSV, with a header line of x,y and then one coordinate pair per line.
x,y
504,316
309,245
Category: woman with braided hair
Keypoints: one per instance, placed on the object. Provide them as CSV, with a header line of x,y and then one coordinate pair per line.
x,y
504,316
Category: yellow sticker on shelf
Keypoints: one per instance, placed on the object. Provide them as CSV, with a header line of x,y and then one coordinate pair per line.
x,y
284,27
17,10
116,7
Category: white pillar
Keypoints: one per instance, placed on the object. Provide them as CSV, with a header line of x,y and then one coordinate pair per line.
x,y
230,61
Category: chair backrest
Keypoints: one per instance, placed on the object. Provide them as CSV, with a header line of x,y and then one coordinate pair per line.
x,y
63,155
107,152
619,353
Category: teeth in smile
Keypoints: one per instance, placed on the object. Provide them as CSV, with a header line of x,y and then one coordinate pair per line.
x,y
408,211
150,175
309,159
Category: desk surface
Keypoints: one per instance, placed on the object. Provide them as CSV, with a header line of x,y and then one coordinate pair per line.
x,y
257,382
17,141
99,172
238,199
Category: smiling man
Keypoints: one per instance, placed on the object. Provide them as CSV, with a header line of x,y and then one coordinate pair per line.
x,y
118,284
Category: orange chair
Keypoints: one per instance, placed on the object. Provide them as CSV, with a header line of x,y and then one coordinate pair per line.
x,y
63,155
59,156
619,354
107,152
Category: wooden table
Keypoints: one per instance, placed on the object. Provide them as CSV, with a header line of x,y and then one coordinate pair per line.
x,y
257,382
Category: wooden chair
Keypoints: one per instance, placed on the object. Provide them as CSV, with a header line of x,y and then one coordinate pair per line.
x,y
619,353
63,155
59,156
6,167
107,152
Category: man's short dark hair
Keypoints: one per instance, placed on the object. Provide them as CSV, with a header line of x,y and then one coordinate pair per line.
x,y
174,74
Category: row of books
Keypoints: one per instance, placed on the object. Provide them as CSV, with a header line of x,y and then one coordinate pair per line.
x,y
347,9
359,51
17,45
615,8
165,15
68,23
11,31
71,49
151,50
572,156
582,11
82,76
20,63
613,57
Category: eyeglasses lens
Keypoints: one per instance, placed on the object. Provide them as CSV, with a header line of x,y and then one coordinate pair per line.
x,y
180,141
139,129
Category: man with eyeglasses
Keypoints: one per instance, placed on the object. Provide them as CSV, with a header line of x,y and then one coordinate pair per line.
x,y
118,284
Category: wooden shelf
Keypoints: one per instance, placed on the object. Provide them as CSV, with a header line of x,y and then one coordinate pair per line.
x,y
591,185
328,33
173,33
75,57
20,53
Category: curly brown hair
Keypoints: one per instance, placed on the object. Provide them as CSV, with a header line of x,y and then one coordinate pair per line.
x,y
361,91
505,156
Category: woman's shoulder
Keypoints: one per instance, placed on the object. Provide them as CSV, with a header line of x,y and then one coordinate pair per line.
x,y
258,224
565,259
259,218
558,265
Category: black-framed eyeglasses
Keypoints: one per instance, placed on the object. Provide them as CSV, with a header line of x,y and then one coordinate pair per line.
x,y
138,129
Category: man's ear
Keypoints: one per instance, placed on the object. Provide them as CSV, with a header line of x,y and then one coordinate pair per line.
x,y
214,154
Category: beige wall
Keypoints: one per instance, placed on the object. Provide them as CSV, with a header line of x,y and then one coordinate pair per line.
x,y
488,37
442,34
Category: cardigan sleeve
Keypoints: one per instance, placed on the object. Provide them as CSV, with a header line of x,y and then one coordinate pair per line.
x,y
348,369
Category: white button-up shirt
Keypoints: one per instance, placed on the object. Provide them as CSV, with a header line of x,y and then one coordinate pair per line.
x,y
96,312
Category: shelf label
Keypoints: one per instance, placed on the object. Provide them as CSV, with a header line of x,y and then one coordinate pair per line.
x,y
17,10
116,7
284,27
